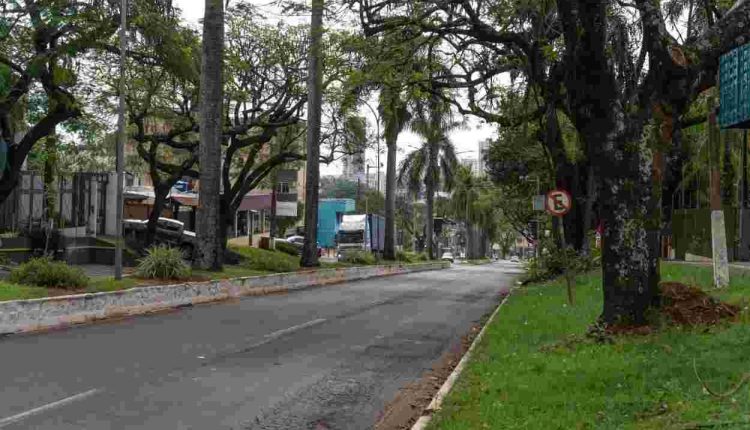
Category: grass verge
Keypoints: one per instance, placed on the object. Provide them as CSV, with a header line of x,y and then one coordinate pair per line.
x,y
535,369
10,291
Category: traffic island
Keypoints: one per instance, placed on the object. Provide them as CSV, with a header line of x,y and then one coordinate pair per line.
x,y
544,364
20,316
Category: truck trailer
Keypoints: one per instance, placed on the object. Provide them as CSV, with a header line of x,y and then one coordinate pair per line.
x,y
362,232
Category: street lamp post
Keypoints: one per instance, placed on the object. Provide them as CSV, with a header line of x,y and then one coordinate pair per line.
x,y
120,153
377,140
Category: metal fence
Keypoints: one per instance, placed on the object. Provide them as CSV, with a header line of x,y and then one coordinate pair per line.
x,y
80,201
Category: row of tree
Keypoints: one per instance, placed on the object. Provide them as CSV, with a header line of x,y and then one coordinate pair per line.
x,y
604,89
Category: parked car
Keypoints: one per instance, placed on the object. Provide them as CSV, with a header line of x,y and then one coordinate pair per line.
x,y
447,256
514,259
169,232
299,242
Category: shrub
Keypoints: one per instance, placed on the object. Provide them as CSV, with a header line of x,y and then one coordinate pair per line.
x,y
360,257
162,262
422,257
287,248
43,272
403,256
554,263
270,261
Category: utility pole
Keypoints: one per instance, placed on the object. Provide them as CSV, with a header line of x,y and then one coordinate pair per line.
x,y
120,152
377,141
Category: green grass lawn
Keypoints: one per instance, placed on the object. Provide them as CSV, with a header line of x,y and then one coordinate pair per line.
x,y
10,291
535,370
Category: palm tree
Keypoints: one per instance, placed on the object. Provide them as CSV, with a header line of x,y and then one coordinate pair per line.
x,y
475,201
210,253
314,96
465,191
395,116
434,163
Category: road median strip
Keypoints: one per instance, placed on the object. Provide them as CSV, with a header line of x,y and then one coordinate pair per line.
x,y
21,316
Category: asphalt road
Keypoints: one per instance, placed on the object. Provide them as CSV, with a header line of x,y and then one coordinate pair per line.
x,y
325,358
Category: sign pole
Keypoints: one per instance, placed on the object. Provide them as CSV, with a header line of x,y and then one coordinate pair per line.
x,y
121,137
558,203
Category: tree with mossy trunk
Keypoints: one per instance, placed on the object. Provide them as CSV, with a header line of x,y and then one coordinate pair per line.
x,y
597,53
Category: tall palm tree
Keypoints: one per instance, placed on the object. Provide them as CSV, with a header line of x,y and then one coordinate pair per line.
x,y
210,253
314,97
475,201
395,117
434,163
465,191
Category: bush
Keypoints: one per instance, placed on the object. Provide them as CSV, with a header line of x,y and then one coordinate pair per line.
x,y
404,256
287,248
360,257
162,262
421,257
554,263
270,261
43,272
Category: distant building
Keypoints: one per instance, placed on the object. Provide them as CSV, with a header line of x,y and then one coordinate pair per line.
x,y
478,164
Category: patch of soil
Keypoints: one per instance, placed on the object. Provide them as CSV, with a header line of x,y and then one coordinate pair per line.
x,y
412,400
686,305
683,305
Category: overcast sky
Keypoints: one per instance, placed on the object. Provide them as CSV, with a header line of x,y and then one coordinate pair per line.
x,y
466,140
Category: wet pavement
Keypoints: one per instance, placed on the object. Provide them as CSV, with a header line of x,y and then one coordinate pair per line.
x,y
325,358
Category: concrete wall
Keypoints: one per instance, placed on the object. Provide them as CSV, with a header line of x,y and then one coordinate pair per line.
x,y
31,315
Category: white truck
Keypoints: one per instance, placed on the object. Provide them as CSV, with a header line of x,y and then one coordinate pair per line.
x,y
364,232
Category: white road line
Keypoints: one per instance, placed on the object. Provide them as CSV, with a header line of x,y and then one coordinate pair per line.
x,y
279,333
68,400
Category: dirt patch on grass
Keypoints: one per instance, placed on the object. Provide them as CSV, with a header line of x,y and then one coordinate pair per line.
x,y
683,305
412,400
686,305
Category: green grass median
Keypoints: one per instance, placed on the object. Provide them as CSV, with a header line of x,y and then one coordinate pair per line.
x,y
537,369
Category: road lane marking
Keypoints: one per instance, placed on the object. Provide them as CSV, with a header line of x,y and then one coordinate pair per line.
x,y
49,406
270,337
292,329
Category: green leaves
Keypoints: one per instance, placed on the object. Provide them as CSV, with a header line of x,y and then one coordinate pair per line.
x,y
5,80
63,77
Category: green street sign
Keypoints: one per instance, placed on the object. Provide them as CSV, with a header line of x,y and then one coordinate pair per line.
x,y
734,82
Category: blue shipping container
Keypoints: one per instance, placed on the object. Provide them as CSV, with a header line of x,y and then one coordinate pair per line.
x,y
330,212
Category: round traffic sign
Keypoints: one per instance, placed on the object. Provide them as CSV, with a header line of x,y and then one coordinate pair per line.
x,y
558,202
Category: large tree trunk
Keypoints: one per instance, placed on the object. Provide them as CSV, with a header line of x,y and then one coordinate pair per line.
x,y
315,98
160,199
630,243
210,255
389,253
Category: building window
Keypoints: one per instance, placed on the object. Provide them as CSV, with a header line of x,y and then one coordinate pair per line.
x,y
282,188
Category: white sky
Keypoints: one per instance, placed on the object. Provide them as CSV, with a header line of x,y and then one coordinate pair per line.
x,y
466,140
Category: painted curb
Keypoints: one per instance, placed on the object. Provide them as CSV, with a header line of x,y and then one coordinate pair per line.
x,y
437,401
23,316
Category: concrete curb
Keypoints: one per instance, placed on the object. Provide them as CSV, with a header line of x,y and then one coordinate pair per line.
x,y
21,316
447,386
